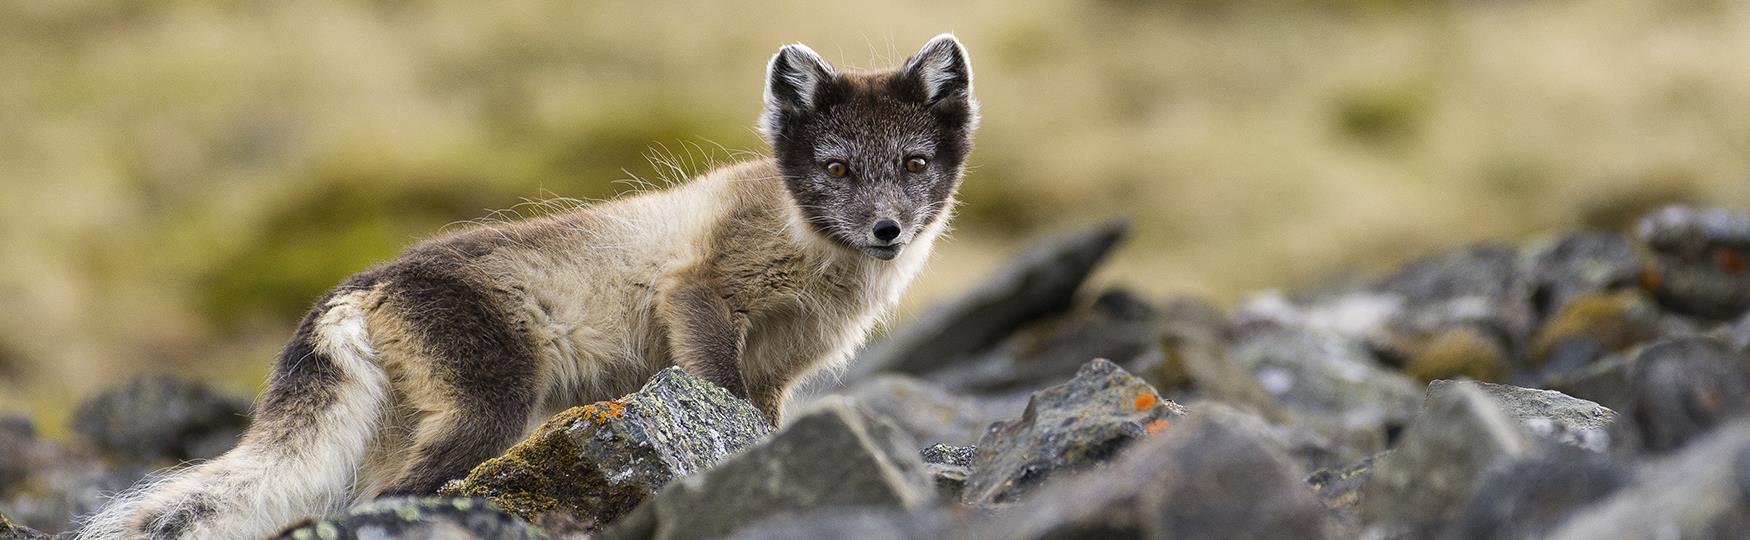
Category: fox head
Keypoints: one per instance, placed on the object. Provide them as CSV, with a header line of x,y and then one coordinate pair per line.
x,y
871,158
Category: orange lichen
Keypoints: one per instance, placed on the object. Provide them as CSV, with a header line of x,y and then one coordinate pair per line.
x,y
1731,261
1650,279
1144,401
1157,426
602,411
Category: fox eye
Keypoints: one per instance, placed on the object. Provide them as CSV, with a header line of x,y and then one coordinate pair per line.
x,y
836,169
916,163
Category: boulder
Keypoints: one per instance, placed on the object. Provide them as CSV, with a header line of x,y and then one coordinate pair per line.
x,y
1530,497
833,456
858,523
162,417
1339,488
1423,483
1206,478
1319,373
1066,428
1039,283
1578,264
422,518
1117,326
929,412
1701,260
1701,491
14,531
948,467
1680,389
1480,286
1547,413
589,465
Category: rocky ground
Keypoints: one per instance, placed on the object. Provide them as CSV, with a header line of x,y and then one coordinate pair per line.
x,y
1586,385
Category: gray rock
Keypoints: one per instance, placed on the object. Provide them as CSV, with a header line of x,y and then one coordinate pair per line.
x,y
1318,373
423,518
14,531
858,523
1547,413
1424,482
1481,286
1339,488
56,484
1039,283
1702,491
1701,262
589,465
1066,428
1680,389
162,417
1527,499
1117,326
929,412
17,441
948,467
1578,264
1206,478
835,455
1608,382
1694,232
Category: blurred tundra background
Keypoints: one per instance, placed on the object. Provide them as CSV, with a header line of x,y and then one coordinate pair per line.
x,y
179,180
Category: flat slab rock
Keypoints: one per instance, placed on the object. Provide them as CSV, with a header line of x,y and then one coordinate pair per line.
x,y
1066,428
1548,413
835,455
588,465
422,518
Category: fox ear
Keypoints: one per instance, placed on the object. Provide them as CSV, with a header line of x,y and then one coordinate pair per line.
x,y
943,69
792,79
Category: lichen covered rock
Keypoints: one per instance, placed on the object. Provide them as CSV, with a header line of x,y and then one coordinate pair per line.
x,y
832,456
423,518
588,465
948,467
1067,428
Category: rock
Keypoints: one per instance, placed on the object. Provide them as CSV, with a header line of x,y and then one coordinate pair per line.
x,y
1547,413
589,465
1608,382
1039,283
14,531
1066,428
1339,488
1321,374
1190,327
928,412
1739,334
1423,483
163,417
1480,286
1457,351
1701,491
1530,497
1681,388
1118,326
1580,264
17,442
422,518
1203,479
858,523
1694,232
834,455
1591,327
1701,261
948,467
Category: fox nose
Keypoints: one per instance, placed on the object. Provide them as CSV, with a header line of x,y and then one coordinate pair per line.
x,y
886,230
